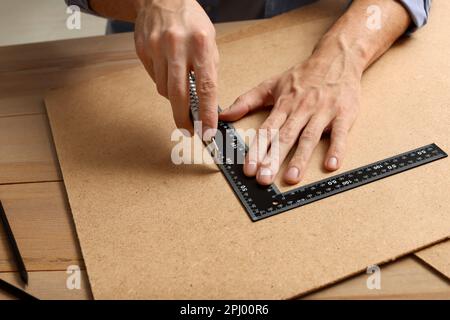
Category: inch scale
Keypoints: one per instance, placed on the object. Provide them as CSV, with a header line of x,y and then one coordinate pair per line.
x,y
262,202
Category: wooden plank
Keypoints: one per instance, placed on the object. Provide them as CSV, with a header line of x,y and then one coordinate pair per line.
x,y
437,257
42,224
33,82
27,152
22,105
67,53
49,285
403,279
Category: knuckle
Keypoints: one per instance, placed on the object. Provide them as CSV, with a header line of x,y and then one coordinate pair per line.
x,y
342,106
269,123
310,100
339,132
297,160
153,41
241,100
206,86
310,135
289,132
270,162
268,84
200,38
173,35
332,107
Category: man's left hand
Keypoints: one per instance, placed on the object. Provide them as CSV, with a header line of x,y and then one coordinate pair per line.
x,y
308,99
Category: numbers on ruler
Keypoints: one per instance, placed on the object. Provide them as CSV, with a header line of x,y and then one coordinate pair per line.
x,y
258,207
359,176
347,182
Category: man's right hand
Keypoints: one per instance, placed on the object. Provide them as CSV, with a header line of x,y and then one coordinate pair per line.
x,y
172,38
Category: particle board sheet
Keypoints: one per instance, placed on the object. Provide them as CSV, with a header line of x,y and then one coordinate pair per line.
x,y
152,229
438,257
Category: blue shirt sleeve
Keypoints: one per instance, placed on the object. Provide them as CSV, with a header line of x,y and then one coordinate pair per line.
x,y
418,10
82,4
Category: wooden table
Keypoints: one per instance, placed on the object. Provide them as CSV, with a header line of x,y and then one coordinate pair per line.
x,y
32,188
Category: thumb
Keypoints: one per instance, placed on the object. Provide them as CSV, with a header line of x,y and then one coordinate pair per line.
x,y
254,99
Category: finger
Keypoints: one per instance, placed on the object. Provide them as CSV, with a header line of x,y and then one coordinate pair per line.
x,y
258,148
338,143
160,68
256,98
279,149
155,61
206,83
144,56
309,139
140,36
178,94
148,65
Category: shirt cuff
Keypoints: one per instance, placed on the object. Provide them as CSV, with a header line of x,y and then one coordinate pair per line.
x,y
418,11
82,4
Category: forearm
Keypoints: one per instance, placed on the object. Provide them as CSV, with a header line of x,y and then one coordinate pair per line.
x,y
353,44
125,10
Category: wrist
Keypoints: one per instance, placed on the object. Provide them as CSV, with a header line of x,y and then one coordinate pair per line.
x,y
338,50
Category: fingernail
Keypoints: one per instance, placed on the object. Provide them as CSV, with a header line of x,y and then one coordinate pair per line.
x,y
265,176
265,172
208,134
332,163
292,174
185,132
251,168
